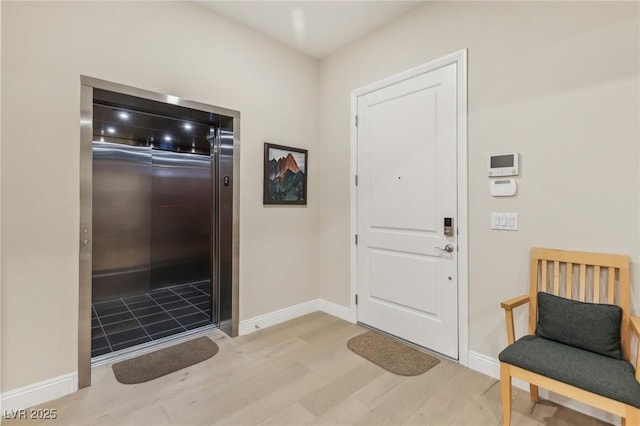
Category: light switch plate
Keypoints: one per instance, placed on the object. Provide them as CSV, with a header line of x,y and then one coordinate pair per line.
x,y
504,221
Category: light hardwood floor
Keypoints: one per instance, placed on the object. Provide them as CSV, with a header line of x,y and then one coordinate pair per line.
x,y
300,373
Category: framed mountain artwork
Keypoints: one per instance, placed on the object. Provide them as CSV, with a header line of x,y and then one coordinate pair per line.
x,y
285,175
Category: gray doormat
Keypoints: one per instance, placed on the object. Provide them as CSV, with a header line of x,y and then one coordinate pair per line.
x,y
164,361
392,355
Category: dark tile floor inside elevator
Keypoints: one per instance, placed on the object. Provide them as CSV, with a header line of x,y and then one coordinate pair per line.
x,y
128,321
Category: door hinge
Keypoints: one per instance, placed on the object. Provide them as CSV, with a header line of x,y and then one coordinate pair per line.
x,y
356,239
356,299
356,180
356,121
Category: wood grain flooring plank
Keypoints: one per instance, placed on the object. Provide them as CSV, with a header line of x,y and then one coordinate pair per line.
x,y
346,412
405,400
290,394
339,389
292,415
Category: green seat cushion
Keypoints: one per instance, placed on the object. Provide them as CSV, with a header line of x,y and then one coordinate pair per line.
x,y
591,326
603,375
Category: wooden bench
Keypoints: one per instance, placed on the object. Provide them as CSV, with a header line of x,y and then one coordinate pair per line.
x,y
575,299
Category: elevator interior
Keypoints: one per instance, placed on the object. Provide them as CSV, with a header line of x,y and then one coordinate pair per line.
x,y
161,219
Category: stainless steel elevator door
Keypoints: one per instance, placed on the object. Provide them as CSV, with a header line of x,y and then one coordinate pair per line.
x,y
181,218
122,230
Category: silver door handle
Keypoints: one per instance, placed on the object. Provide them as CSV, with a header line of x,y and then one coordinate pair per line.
x,y
448,248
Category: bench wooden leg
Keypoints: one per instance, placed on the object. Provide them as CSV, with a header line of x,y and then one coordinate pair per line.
x,y
631,417
533,393
505,391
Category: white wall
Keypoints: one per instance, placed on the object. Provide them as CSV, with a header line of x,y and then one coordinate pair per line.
x,y
557,82
177,48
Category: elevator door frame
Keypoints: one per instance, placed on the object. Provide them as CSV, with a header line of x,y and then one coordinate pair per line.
x,y
228,290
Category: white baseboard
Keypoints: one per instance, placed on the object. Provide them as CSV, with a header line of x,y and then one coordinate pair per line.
x,y
491,367
272,318
336,310
41,392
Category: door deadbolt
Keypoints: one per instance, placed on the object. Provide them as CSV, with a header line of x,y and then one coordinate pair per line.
x,y
448,226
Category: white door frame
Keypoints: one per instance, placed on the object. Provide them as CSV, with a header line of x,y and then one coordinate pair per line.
x,y
460,59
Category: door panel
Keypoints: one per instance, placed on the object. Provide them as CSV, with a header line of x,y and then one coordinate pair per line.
x,y
411,292
402,162
407,285
121,219
181,224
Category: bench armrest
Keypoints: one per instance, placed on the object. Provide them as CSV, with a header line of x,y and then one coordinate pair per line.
x,y
508,306
515,302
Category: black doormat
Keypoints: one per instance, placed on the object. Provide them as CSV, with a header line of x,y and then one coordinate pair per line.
x,y
391,354
164,361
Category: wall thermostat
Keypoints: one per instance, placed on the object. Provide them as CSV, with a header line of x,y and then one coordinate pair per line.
x,y
503,187
503,165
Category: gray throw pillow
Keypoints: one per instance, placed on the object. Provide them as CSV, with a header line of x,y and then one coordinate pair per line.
x,y
591,326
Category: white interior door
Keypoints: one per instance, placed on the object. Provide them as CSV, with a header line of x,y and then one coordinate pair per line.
x,y
406,142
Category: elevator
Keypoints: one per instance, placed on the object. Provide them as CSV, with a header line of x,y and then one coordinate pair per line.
x,y
159,228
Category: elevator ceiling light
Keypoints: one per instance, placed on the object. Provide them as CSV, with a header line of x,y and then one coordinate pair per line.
x,y
187,126
167,138
123,115
111,130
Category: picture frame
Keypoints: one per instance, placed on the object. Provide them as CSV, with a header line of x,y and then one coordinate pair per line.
x,y
285,175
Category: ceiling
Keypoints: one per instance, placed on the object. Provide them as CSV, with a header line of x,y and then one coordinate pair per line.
x,y
317,28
